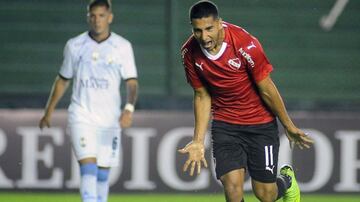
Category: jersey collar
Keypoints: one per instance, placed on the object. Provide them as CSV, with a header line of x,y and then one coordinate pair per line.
x,y
99,42
218,55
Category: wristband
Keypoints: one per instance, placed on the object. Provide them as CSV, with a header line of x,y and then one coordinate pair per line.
x,y
129,107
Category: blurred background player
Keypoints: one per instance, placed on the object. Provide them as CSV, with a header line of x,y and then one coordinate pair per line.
x,y
96,61
230,75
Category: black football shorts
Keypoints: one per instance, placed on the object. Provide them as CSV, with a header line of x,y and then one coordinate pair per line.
x,y
255,147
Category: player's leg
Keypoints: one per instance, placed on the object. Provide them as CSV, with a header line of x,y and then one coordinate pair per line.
x,y
230,159
108,156
83,139
88,179
103,183
271,191
233,183
265,192
262,161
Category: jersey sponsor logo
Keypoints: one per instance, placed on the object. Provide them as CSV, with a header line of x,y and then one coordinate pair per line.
x,y
269,159
199,65
247,56
236,63
95,83
252,45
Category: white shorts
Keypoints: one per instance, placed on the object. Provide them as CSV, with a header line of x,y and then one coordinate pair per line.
x,y
96,142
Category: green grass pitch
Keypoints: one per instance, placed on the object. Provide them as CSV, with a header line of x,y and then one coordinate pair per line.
x,y
74,197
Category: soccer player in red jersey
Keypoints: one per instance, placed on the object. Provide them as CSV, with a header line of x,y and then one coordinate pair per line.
x,y
230,75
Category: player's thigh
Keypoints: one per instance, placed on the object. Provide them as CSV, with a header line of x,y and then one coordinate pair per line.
x,y
228,149
263,152
83,140
108,147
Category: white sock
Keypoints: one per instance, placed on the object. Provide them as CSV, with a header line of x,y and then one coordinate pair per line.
x,y
102,191
88,182
103,185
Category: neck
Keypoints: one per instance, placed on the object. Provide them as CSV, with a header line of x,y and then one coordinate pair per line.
x,y
99,37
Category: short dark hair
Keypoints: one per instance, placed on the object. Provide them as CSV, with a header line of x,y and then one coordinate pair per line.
x,y
203,9
94,3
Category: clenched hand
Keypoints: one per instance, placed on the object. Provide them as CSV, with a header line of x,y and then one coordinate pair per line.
x,y
126,119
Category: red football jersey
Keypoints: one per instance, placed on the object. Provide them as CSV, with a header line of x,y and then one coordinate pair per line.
x,y
230,76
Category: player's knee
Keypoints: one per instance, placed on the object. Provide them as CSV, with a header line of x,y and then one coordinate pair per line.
x,y
266,194
88,169
103,175
233,189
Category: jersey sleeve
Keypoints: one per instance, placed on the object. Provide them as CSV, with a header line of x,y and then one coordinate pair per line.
x,y
190,72
128,69
257,62
66,69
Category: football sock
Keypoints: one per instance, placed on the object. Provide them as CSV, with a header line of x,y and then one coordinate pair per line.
x,y
88,182
283,183
102,184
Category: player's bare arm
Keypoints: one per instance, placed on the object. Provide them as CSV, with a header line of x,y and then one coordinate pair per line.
x,y
57,91
132,93
272,98
196,148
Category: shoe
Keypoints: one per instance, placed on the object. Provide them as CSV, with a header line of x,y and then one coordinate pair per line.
x,y
292,194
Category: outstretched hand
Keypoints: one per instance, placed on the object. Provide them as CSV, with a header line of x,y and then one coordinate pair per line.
x,y
299,138
196,151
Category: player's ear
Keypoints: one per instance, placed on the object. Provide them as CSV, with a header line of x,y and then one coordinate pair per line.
x,y
111,17
220,22
88,17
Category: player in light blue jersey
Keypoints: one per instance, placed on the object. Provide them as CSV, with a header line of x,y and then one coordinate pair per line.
x,y
96,62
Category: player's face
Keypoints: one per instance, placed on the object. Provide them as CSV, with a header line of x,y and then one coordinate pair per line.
x,y
207,31
100,18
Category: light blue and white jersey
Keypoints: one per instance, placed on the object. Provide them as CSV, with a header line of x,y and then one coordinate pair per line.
x,y
97,70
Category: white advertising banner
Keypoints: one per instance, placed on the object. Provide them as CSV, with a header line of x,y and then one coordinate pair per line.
x,y
42,160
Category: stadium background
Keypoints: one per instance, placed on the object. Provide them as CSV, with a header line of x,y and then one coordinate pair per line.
x,y
315,70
